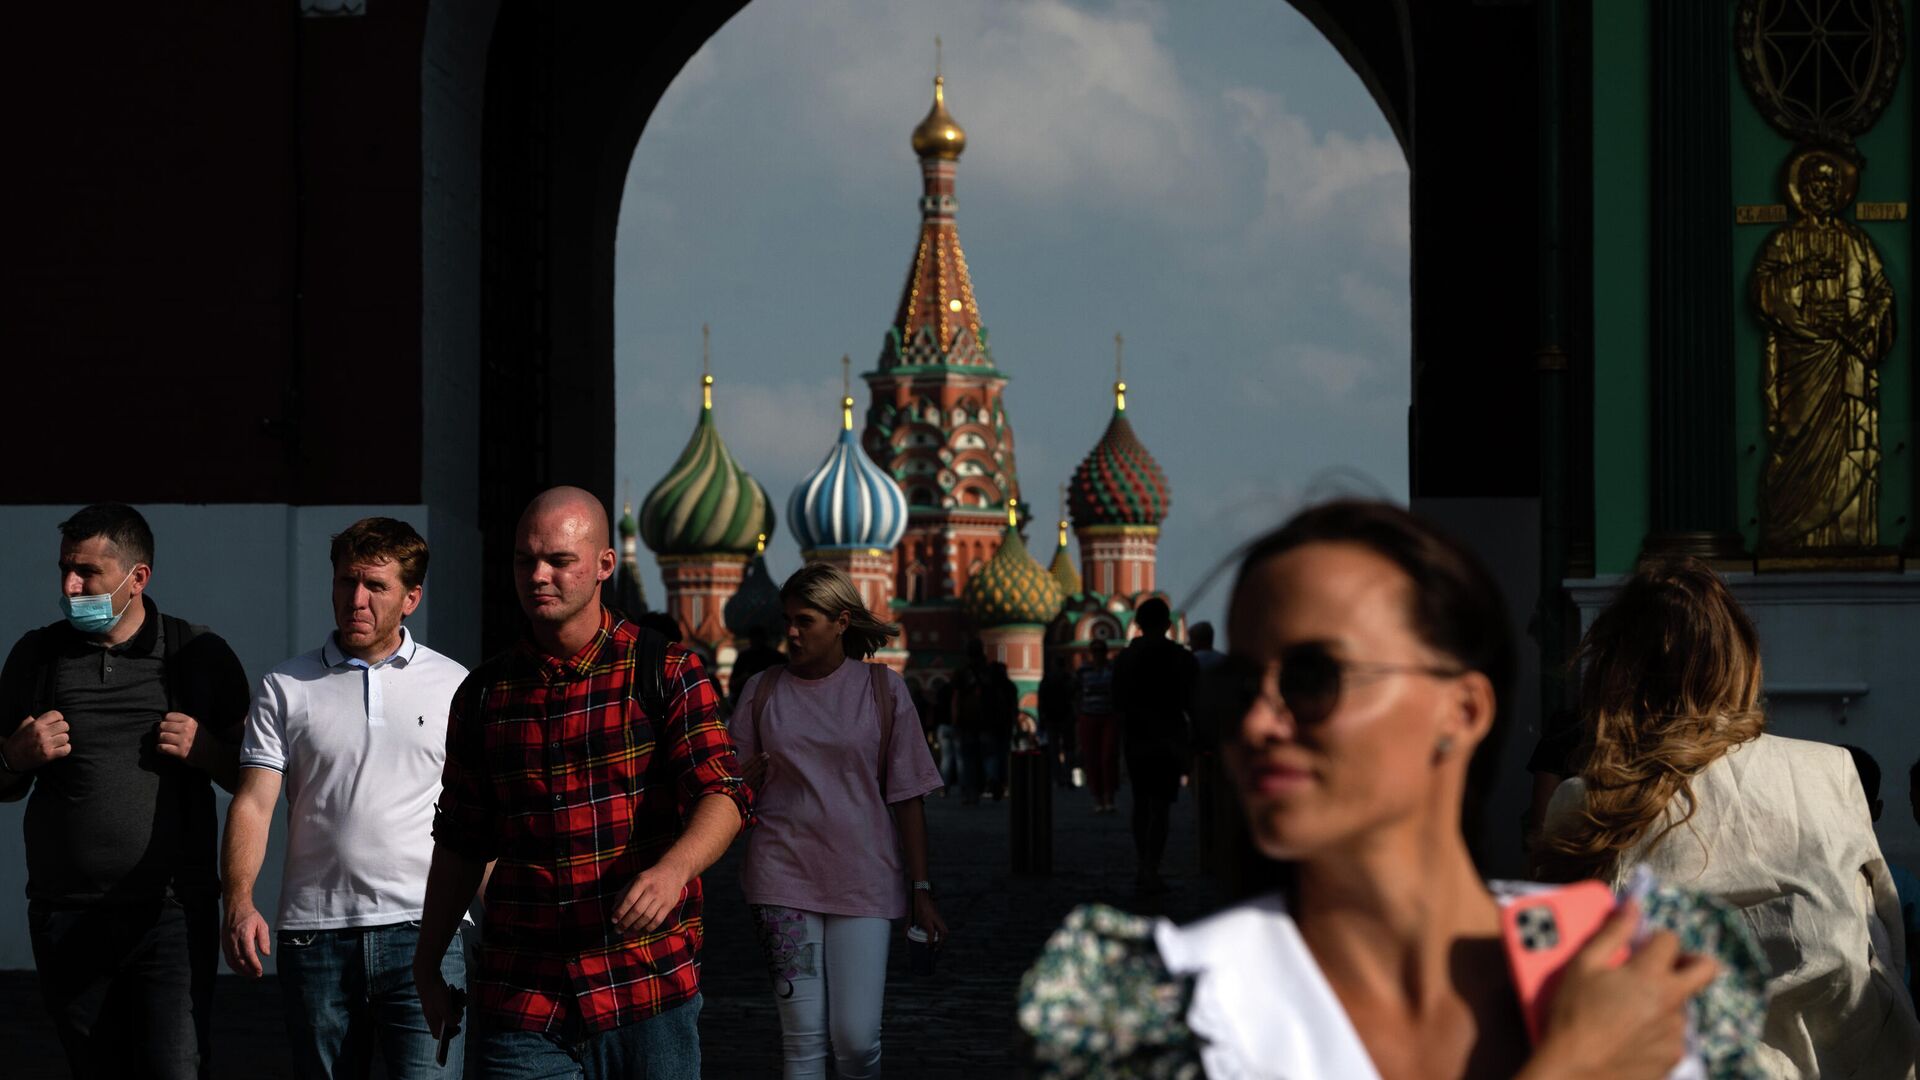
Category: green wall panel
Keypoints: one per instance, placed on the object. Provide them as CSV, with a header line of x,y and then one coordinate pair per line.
x,y
1622,251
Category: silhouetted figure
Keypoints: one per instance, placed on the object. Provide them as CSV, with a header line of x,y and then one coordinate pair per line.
x,y
1099,726
1057,719
758,657
1153,681
973,718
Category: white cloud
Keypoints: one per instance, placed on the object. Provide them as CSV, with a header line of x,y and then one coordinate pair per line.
x,y
1059,100
1326,180
1376,306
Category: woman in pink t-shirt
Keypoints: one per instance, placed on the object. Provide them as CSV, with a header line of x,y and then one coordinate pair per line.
x,y
842,829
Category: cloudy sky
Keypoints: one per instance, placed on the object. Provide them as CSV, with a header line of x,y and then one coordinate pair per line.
x,y
1209,179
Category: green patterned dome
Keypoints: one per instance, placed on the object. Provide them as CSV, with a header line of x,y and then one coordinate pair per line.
x,y
1065,575
706,504
1011,588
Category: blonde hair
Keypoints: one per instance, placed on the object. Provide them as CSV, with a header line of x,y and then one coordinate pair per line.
x,y
1671,684
827,589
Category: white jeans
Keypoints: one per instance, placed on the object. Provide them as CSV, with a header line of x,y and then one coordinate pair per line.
x,y
829,978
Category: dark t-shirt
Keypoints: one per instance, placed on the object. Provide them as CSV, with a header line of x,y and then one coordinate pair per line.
x,y
114,821
1153,680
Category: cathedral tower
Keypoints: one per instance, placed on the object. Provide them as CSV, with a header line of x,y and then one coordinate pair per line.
x,y
936,421
704,520
851,513
1118,499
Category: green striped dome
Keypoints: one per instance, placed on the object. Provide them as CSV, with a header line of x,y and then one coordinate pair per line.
x,y
706,504
1011,588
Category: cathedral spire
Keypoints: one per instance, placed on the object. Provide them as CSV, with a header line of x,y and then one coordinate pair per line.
x,y
938,321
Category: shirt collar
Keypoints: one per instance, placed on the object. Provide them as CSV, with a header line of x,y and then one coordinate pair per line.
x,y
580,664
332,655
146,640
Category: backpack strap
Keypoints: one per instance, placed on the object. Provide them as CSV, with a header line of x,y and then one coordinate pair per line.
x,y
760,695
45,660
883,700
175,632
650,669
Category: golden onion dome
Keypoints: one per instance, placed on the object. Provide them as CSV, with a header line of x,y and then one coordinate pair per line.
x,y
939,135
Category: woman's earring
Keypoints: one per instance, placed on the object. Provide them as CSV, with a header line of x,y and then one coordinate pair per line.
x,y
1442,747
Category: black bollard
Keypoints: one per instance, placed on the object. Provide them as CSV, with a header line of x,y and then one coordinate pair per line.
x,y
1030,812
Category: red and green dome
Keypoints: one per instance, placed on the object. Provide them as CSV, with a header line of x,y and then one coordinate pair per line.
x,y
1119,483
1011,588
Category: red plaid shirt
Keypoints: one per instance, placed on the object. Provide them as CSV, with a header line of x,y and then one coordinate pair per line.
x,y
554,767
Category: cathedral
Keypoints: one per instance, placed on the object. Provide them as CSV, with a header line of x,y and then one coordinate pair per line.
x,y
921,505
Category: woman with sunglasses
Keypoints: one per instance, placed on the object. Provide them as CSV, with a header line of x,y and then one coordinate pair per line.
x,y
1676,773
1369,654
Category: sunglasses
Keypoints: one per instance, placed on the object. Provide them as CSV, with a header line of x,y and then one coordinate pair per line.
x,y
1310,681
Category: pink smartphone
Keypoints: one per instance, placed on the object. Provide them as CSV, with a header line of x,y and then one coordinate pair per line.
x,y
1542,933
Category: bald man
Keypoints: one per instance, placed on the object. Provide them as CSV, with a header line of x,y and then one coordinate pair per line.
x,y
591,762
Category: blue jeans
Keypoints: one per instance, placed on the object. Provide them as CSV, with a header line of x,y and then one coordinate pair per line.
x,y
665,1046
129,987
350,990
949,754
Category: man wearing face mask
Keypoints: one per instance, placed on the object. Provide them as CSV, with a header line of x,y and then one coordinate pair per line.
x,y
116,718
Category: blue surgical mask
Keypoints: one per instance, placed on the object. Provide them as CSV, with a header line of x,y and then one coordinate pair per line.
x,y
95,614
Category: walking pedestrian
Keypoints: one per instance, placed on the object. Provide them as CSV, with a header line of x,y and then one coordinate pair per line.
x,y
947,733
357,728
1676,772
1213,807
1099,726
1003,717
974,691
1057,718
834,751
1370,655
129,713
1153,681
589,760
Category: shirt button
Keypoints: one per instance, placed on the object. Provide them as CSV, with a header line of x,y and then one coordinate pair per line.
x,y
558,799
554,745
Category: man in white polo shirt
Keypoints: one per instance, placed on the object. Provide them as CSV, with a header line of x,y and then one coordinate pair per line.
x,y
358,730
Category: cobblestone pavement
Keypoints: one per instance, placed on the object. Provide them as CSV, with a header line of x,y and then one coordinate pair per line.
x,y
958,1023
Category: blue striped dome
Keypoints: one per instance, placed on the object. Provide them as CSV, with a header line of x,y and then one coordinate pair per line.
x,y
848,502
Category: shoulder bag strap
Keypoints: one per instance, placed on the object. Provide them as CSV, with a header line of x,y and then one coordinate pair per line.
x,y
883,699
760,695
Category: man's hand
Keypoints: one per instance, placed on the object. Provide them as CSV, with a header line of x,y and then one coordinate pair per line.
x,y
38,740
650,899
177,734
436,999
245,938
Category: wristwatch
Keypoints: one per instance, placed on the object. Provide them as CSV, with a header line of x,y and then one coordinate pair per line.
x,y
923,886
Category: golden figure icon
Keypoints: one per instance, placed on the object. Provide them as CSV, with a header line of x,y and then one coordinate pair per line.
x,y
1829,318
